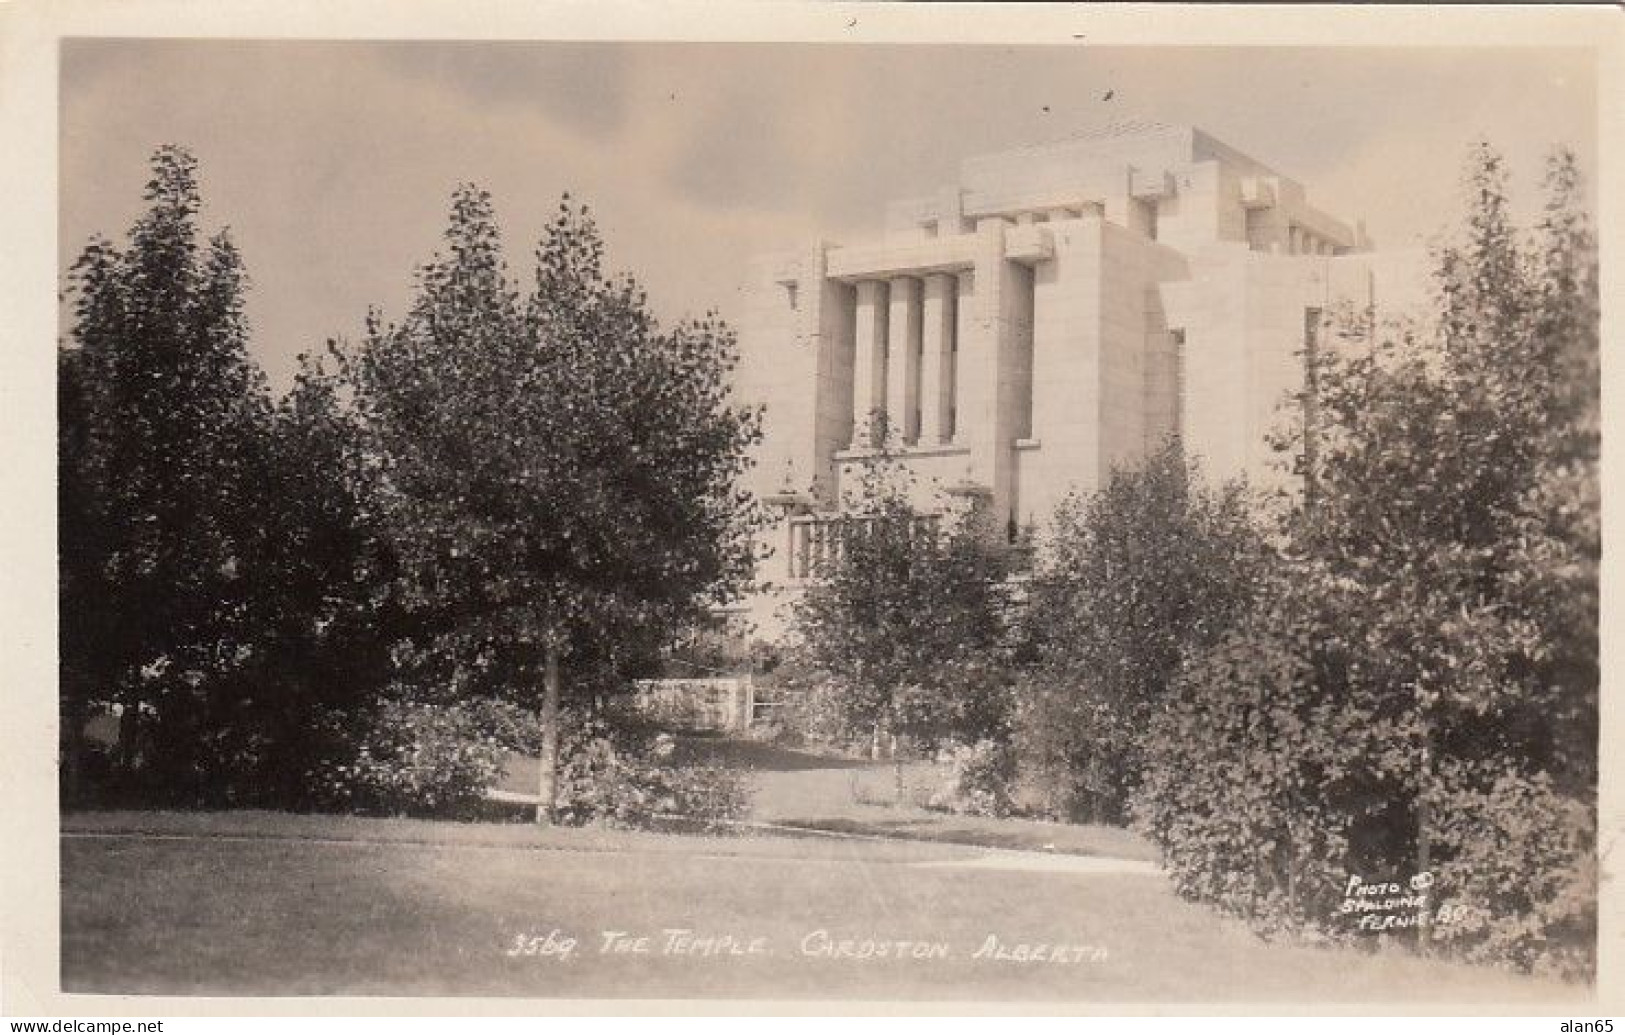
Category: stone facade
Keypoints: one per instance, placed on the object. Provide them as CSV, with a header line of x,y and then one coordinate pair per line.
x,y
1058,311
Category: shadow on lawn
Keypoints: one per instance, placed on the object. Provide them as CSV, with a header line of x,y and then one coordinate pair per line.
x,y
928,828
520,771
835,794
750,754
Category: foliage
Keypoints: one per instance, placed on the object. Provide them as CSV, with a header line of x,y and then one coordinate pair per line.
x,y
166,440
977,779
408,758
908,617
1135,574
553,461
1424,669
221,573
439,759
809,705
553,471
1524,856
610,779
1264,785
423,519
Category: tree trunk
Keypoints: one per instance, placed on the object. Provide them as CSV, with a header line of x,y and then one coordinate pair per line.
x,y
547,777
129,730
874,743
1424,833
897,771
71,788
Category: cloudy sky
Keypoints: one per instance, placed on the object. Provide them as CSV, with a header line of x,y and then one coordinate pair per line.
x,y
332,162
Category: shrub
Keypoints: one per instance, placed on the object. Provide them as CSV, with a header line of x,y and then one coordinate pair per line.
x,y
776,731
418,759
407,758
902,598
1283,766
1417,690
1134,575
1521,862
810,705
625,777
976,778
708,794
965,699
1256,780
1070,744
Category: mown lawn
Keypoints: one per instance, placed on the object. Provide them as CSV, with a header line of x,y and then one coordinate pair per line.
x,y
814,791
250,904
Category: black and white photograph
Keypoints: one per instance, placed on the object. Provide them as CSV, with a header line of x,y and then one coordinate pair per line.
x,y
918,507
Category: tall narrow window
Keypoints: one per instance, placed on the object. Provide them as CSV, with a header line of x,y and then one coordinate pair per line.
x,y
1176,365
1143,216
1311,397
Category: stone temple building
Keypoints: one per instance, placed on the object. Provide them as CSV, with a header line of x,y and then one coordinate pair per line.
x,y
1059,310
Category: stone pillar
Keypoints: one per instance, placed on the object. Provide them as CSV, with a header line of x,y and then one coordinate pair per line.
x,y
936,361
993,368
832,423
981,363
903,360
964,328
869,363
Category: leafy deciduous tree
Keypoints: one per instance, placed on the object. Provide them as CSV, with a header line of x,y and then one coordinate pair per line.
x,y
164,437
1150,566
555,471
1434,630
904,610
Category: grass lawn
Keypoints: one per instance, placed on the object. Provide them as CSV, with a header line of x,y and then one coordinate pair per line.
x,y
247,904
832,793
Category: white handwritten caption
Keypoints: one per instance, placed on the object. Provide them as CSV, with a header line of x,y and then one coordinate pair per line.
x,y
1389,905
558,944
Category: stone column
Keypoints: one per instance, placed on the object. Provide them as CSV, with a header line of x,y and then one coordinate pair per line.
x,y
981,365
869,364
936,361
964,329
903,361
992,374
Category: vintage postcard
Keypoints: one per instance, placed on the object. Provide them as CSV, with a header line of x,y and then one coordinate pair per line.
x,y
820,506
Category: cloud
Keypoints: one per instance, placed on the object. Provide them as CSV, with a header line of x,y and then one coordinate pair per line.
x,y
579,85
334,161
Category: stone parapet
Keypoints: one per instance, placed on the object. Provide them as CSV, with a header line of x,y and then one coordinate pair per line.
x,y
889,259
